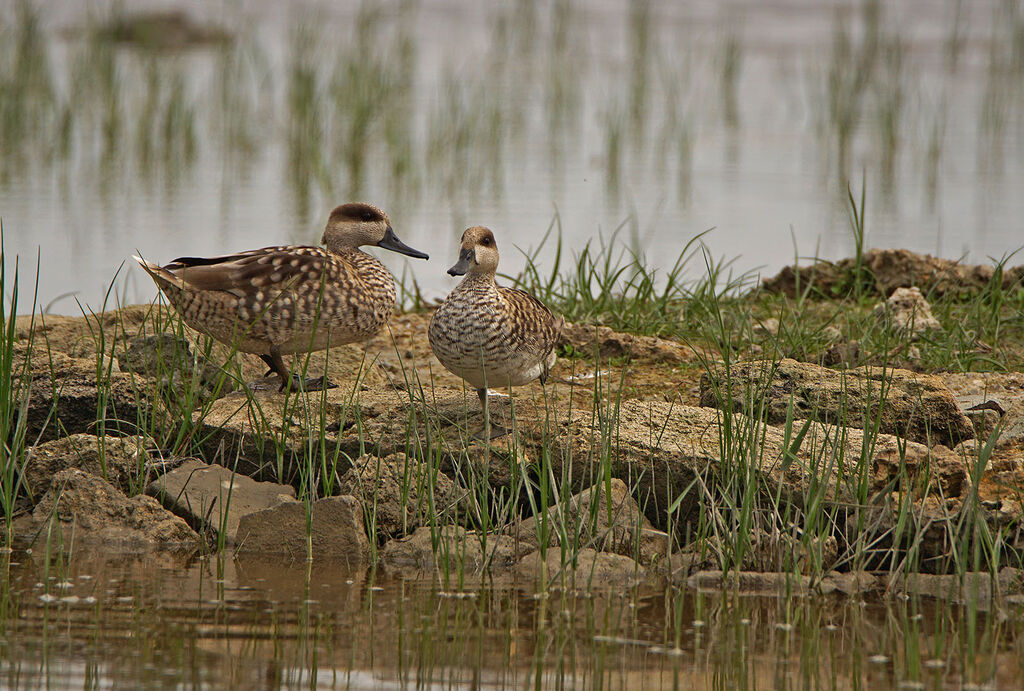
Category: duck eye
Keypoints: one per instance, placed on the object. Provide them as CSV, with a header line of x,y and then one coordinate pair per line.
x,y
486,242
367,216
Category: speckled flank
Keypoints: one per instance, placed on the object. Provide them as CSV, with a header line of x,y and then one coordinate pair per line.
x,y
289,299
275,296
491,335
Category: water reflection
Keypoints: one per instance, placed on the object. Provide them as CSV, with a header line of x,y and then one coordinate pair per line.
x,y
245,127
158,620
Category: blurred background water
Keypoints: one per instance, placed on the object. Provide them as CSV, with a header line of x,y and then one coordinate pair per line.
x,y
211,127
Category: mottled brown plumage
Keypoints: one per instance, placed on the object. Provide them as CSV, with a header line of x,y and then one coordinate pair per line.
x,y
290,299
488,334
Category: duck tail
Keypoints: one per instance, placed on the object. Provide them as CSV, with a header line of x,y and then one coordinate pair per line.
x,y
162,276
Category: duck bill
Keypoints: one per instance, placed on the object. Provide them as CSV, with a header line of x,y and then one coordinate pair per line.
x,y
462,266
391,242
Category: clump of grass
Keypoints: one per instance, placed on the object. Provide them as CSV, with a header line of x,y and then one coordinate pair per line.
x,y
15,390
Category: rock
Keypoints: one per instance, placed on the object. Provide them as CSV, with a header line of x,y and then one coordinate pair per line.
x,y
274,436
918,407
845,354
498,463
605,518
271,435
168,360
751,582
89,510
604,343
199,493
122,461
983,412
980,587
766,328
585,570
336,530
65,398
851,582
907,311
401,493
888,269
809,555
452,549
662,448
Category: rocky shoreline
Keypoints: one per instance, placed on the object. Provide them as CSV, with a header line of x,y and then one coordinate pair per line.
x,y
405,474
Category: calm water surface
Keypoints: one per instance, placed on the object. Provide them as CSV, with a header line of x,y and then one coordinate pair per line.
x,y
663,118
158,622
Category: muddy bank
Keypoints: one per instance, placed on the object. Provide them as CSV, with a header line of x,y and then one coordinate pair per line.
x,y
882,271
150,440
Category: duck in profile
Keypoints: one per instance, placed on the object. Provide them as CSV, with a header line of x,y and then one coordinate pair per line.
x,y
276,301
488,334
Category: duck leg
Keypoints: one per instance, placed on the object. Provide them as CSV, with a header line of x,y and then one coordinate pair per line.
x,y
276,364
489,431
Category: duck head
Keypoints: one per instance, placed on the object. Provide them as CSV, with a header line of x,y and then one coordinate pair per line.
x,y
478,253
357,223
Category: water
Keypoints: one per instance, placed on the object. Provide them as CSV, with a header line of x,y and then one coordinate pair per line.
x,y
160,621
663,118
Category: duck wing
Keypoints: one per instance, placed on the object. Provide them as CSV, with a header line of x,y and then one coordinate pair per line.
x,y
245,273
532,325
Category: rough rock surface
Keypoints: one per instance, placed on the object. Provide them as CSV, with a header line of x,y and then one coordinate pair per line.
x,y
973,586
907,311
261,432
586,570
169,361
124,458
605,518
660,448
890,269
336,529
401,492
89,510
199,493
917,406
65,399
457,550
606,343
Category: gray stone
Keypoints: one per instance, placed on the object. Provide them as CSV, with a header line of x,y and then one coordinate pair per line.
x,y
89,510
336,530
214,498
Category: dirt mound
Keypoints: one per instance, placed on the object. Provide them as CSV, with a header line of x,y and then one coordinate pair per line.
x,y
884,270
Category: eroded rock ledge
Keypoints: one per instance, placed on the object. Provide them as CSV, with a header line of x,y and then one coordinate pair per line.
x,y
388,465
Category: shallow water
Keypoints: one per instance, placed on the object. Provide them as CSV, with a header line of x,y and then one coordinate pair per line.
x,y
159,621
665,118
